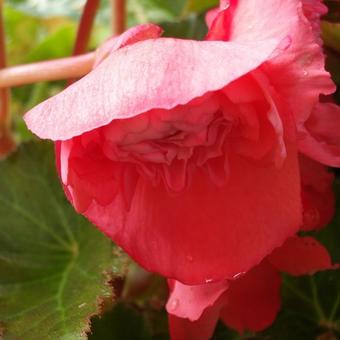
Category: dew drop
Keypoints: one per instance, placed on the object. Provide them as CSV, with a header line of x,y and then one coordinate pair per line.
x,y
82,305
209,280
305,73
173,305
237,276
311,218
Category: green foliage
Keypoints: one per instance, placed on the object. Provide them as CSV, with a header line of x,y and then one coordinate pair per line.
x,y
124,322
43,8
193,27
54,266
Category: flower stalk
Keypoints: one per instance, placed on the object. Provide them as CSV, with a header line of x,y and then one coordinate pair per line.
x,y
85,26
85,29
118,16
6,141
58,69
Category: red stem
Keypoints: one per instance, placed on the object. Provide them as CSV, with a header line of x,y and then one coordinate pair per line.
x,y
118,16
85,26
6,142
84,29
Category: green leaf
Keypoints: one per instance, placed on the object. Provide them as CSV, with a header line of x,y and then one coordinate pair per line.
x,y
160,11
156,10
54,265
201,6
56,45
331,35
124,322
127,321
192,27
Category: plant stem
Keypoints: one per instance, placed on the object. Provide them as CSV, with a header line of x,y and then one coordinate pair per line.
x,y
58,69
118,16
85,27
6,141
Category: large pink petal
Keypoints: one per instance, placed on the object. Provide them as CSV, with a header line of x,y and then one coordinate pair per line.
x,y
202,329
297,68
300,256
160,73
190,302
208,233
319,139
253,301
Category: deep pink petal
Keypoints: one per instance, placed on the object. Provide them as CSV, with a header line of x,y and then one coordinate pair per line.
x,y
160,73
253,301
317,194
301,256
202,329
198,235
190,302
210,16
220,22
297,68
313,10
319,138
131,36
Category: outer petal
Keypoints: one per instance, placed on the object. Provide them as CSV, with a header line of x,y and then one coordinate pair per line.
x,y
201,238
253,301
300,256
297,68
210,16
189,302
319,139
161,73
131,36
317,194
219,22
202,329
313,10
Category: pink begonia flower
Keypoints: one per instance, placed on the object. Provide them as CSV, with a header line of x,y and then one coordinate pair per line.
x,y
252,300
185,152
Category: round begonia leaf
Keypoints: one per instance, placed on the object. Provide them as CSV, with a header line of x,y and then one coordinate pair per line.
x,y
54,266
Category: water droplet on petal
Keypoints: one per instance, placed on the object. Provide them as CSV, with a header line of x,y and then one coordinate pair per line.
x,y
237,276
305,73
173,305
209,280
311,218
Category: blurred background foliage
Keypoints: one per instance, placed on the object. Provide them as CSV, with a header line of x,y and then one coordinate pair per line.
x,y
40,30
